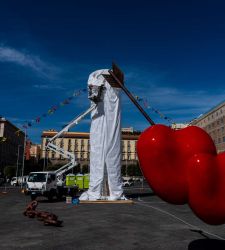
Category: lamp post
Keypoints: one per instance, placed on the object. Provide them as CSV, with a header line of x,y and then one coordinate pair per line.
x,y
17,163
24,149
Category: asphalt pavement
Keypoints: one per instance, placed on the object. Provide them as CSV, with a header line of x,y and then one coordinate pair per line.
x,y
149,223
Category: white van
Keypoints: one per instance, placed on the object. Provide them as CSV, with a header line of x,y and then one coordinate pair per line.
x,y
18,180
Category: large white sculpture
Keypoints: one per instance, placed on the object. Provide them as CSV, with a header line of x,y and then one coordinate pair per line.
x,y
105,138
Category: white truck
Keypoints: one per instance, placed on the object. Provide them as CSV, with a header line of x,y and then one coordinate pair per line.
x,y
47,184
51,183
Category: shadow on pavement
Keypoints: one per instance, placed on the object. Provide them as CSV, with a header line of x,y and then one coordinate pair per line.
x,y
51,201
207,244
136,195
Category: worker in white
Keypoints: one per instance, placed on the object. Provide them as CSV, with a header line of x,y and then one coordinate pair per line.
x,y
105,138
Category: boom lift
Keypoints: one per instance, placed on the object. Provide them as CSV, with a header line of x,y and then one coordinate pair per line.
x,y
50,183
51,146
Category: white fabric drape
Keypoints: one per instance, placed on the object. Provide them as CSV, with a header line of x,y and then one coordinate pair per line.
x,y
105,141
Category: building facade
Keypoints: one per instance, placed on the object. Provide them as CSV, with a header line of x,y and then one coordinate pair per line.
x,y
79,143
178,126
11,144
35,152
213,122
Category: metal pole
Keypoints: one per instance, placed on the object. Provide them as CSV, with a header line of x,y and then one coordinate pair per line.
x,y
132,98
17,163
24,148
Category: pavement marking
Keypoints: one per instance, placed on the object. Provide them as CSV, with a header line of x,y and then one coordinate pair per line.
x,y
142,203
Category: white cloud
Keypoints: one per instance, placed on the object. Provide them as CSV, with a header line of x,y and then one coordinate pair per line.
x,y
28,60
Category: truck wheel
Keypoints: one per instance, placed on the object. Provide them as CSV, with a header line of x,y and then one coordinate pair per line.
x,y
59,196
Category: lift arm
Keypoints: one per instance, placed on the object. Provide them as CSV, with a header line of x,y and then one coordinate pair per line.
x,y
51,146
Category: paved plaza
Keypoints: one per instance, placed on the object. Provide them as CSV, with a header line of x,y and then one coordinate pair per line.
x,y
149,223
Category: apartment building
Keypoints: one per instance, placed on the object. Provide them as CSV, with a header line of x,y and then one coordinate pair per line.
x,y
79,143
11,143
35,152
213,122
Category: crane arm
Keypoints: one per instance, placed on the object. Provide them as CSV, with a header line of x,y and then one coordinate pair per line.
x,y
51,146
72,123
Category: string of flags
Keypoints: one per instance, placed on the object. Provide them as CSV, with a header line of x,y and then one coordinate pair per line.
x,y
147,105
52,110
67,101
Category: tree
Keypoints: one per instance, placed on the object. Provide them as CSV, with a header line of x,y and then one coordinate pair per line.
x,y
131,169
85,169
9,171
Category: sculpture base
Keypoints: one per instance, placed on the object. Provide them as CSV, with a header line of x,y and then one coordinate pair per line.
x,y
108,202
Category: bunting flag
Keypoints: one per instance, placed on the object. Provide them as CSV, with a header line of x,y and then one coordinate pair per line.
x,y
38,119
52,110
148,106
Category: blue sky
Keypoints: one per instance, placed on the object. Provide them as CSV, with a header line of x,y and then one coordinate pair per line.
x,y
172,53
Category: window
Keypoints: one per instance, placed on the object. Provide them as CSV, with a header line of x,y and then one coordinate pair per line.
x,y
224,139
76,145
128,146
123,148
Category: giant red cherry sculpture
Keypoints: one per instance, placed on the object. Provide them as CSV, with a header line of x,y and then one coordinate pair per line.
x,y
182,166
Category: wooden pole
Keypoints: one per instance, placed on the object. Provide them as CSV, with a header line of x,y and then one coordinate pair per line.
x,y
127,92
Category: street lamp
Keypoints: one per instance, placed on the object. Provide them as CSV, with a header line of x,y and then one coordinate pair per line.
x,y
24,149
17,163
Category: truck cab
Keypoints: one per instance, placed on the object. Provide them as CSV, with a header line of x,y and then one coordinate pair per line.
x,y
48,184
42,184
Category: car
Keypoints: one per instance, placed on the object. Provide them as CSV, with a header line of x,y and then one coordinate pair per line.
x,y
13,181
17,180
